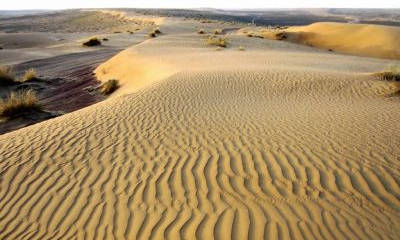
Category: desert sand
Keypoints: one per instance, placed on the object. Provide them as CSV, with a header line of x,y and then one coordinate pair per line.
x,y
279,141
356,39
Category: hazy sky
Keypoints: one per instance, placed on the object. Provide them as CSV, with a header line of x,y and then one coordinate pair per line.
x,y
249,4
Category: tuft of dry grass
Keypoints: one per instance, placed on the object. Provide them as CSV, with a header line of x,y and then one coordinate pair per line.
x,y
109,87
217,31
7,75
18,103
92,42
29,75
217,41
390,73
201,31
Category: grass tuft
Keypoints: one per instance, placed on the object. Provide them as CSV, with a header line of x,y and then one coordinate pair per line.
x,y
18,103
217,31
217,41
6,75
201,31
29,75
390,73
109,87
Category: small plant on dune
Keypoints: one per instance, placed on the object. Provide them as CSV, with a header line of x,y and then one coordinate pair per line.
x,y
18,103
217,41
390,73
152,34
201,31
249,35
157,31
92,42
105,39
217,31
280,36
29,75
109,87
6,75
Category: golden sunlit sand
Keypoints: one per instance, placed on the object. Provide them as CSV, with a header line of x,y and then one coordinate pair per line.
x,y
275,141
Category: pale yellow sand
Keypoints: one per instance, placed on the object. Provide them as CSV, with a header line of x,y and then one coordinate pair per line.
x,y
358,39
280,141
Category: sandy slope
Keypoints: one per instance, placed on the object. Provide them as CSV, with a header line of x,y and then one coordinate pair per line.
x,y
358,39
280,141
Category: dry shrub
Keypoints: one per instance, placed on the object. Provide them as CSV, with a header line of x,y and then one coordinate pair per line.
x,y
29,75
18,103
92,42
109,87
217,41
7,75
390,73
201,31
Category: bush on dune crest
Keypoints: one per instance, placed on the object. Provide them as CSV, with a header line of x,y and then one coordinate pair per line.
x,y
109,87
390,73
19,102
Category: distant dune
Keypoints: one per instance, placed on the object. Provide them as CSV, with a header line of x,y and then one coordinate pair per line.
x,y
359,39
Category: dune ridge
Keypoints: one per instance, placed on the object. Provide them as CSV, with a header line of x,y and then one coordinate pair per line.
x,y
275,142
358,39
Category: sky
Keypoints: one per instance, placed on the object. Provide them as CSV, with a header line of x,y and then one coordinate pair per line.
x,y
222,4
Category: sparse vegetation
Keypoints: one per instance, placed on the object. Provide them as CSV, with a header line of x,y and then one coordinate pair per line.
x,y
157,31
18,103
217,41
109,87
6,75
105,39
390,73
29,75
152,35
1,47
92,42
280,36
217,31
201,31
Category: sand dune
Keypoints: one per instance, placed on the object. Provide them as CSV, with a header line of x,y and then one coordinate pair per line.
x,y
279,141
358,39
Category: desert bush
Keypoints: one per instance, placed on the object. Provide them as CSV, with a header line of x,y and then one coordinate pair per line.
x,y
92,42
157,31
280,36
109,87
18,103
201,31
6,75
29,75
217,31
105,39
152,34
390,73
217,41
